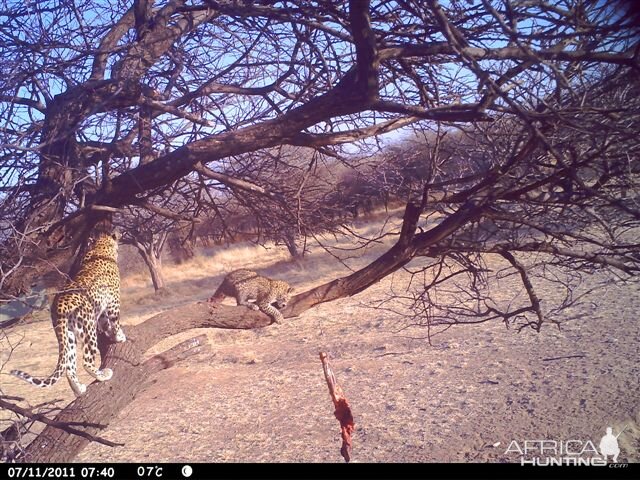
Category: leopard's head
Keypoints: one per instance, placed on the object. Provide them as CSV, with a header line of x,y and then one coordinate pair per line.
x,y
105,246
283,296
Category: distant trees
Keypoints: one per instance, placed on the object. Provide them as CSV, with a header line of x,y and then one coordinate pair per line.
x,y
152,221
292,201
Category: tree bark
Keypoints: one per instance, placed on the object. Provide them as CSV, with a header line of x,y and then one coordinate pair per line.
x,y
103,401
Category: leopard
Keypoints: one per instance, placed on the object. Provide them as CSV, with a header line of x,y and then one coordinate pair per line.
x,y
270,295
88,304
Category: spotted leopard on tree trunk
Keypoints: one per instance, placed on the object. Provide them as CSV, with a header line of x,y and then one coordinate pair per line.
x,y
270,295
90,302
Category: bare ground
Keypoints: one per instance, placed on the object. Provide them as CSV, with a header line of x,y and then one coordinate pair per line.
x,y
260,395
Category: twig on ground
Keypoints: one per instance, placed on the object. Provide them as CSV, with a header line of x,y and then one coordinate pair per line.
x,y
562,358
38,417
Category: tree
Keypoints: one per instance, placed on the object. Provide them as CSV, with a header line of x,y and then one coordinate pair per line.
x,y
284,196
106,108
87,89
148,226
149,244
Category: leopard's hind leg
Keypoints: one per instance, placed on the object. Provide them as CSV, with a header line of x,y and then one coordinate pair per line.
x,y
109,323
89,354
242,298
88,333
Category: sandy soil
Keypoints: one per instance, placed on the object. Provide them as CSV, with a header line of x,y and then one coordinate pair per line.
x,y
261,396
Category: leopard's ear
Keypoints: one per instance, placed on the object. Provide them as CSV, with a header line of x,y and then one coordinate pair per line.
x,y
116,235
291,290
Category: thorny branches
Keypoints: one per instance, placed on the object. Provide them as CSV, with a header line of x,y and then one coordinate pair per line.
x,y
527,112
66,426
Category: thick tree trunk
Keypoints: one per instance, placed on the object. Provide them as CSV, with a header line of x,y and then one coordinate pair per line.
x,y
103,401
51,251
48,240
292,246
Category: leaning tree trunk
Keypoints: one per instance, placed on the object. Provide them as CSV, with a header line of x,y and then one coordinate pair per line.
x,y
103,401
154,264
150,246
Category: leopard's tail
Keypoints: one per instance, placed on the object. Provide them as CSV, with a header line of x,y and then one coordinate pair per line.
x,y
39,382
46,382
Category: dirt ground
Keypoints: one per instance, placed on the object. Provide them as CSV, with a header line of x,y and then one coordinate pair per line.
x,y
260,395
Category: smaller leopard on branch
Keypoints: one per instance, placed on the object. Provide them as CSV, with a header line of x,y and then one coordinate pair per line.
x,y
247,285
88,304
